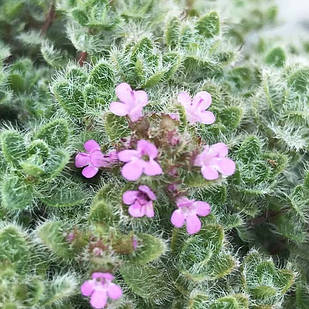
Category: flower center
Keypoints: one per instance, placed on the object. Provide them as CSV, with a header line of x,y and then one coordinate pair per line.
x,y
145,158
188,210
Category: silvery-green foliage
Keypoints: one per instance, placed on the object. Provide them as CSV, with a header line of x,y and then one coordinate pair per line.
x,y
60,62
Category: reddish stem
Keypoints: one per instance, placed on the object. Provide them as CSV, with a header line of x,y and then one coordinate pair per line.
x,y
50,17
82,58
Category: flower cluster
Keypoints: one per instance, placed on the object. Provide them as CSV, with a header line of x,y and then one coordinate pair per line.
x,y
145,158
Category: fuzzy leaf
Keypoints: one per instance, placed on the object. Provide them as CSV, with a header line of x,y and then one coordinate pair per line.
x,y
209,25
54,133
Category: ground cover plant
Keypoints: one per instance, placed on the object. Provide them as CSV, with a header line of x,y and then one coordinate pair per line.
x,y
151,156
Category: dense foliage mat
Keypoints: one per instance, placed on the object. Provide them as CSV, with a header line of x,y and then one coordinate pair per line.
x,y
151,156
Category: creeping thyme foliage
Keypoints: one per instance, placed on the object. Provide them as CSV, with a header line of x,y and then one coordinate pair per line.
x,y
152,156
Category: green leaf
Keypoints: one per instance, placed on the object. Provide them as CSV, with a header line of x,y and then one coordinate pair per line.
x,y
116,127
64,193
80,16
276,57
13,147
101,212
148,282
14,248
102,76
56,163
15,193
70,97
51,235
231,117
172,32
149,248
55,133
299,80
209,25
199,250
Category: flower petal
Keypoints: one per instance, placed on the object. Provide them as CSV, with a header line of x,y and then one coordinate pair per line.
x,y
87,287
148,191
97,159
184,98
177,218
90,171
202,100
128,155
220,148
129,197
149,212
141,97
207,117
136,210
124,93
152,168
99,275
209,173
202,208
184,202
82,159
114,291
98,299
193,224
226,166
132,170
92,145
147,148
135,113
119,109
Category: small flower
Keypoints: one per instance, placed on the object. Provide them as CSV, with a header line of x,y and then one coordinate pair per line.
x,y
213,161
100,288
140,161
97,251
131,102
111,157
140,202
134,242
70,237
196,108
188,212
93,159
173,138
174,116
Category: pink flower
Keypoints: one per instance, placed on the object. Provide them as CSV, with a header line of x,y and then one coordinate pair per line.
x,y
140,202
213,161
93,159
100,288
140,161
188,212
196,108
134,242
131,102
174,116
173,138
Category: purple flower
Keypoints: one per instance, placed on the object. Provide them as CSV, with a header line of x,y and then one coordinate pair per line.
x,y
93,159
140,161
100,288
213,161
196,108
131,102
188,212
174,116
134,242
140,202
